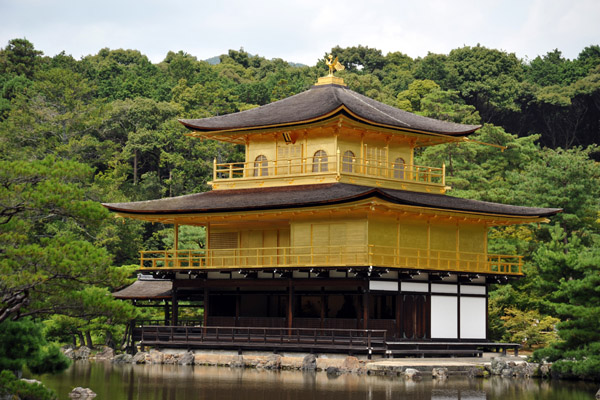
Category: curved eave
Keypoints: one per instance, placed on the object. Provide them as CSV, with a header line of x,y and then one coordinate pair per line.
x,y
318,197
415,209
281,206
339,110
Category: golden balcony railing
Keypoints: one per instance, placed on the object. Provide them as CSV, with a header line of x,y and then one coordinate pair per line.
x,y
331,164
330,256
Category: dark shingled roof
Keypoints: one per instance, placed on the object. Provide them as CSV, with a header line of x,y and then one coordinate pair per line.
x,y
145,290
322,101
314,195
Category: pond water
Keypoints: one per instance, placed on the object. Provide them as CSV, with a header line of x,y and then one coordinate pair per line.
x,y
171,382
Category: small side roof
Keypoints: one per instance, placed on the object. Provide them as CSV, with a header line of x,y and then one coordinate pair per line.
x,y
152,289
315,195
321,102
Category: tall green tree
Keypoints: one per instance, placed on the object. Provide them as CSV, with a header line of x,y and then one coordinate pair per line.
x,y
568,283
47,234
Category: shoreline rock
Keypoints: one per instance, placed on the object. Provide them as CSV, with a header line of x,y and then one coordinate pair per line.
x,y
82,393
499,366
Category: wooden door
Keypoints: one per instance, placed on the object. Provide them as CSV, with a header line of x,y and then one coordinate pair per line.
x,y
415,315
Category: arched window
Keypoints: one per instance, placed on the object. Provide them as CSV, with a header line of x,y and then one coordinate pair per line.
x,y
347,161
320,161
399,168
261,166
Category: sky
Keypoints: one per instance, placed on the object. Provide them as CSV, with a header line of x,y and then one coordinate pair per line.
x,y
301,31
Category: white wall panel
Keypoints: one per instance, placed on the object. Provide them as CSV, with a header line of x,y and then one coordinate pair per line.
x,y
389,286
443,288
472,317
414,287
468,289
444,317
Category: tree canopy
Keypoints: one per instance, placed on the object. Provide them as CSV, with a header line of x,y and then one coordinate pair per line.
x,y
74,133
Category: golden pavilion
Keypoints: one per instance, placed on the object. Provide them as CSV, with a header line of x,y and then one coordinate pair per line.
x,y
327,237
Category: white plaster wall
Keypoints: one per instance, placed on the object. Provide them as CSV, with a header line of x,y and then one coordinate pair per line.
x,y
443,288
414,287
388,286
468,289
444,317
472,317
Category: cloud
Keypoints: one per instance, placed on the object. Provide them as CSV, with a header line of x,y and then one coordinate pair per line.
x,y
301,31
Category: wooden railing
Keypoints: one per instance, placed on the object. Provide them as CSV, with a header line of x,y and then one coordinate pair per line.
x,y
367,339
162,322
331,256
332,164
445,260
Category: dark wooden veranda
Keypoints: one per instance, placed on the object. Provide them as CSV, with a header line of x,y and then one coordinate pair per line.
x,y
351,341
192,335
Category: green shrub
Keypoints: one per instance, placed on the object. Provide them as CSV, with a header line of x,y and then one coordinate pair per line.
x,y
49,360
22,343
9,384
19,341
573,364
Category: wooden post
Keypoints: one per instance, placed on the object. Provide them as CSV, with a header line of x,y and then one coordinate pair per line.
x,y
290,307
362,152
323,297
338,164
167,314
206,305
237,307
175,312
388,173
444,174
176,245
366,306
399,305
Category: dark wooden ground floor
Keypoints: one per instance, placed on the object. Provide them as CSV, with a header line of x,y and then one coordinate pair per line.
x,y
440,315
323,304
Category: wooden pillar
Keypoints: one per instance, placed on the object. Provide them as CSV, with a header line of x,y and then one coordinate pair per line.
x,y
176,237
167,313
237,307
487,314
365,308
458,334
206,305
428,317
175,311
323,299
176,245
290,306
399,305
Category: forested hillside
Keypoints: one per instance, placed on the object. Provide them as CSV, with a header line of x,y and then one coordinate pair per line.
x,y
74,133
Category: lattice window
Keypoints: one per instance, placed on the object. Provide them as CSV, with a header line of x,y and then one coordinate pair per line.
x,y
261,166
223,240
376,159
348,161
399,168
320,161
289,158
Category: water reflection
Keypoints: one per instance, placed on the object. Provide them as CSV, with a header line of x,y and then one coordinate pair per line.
x,y
169,382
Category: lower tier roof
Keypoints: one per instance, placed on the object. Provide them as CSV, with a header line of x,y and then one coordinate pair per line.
x,y
286,197
146,290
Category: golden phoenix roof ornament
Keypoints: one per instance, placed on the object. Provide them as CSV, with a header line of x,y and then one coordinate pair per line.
x,y
333,64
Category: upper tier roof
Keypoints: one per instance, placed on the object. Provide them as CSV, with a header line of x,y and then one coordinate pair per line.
x,y
320,102
315,195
